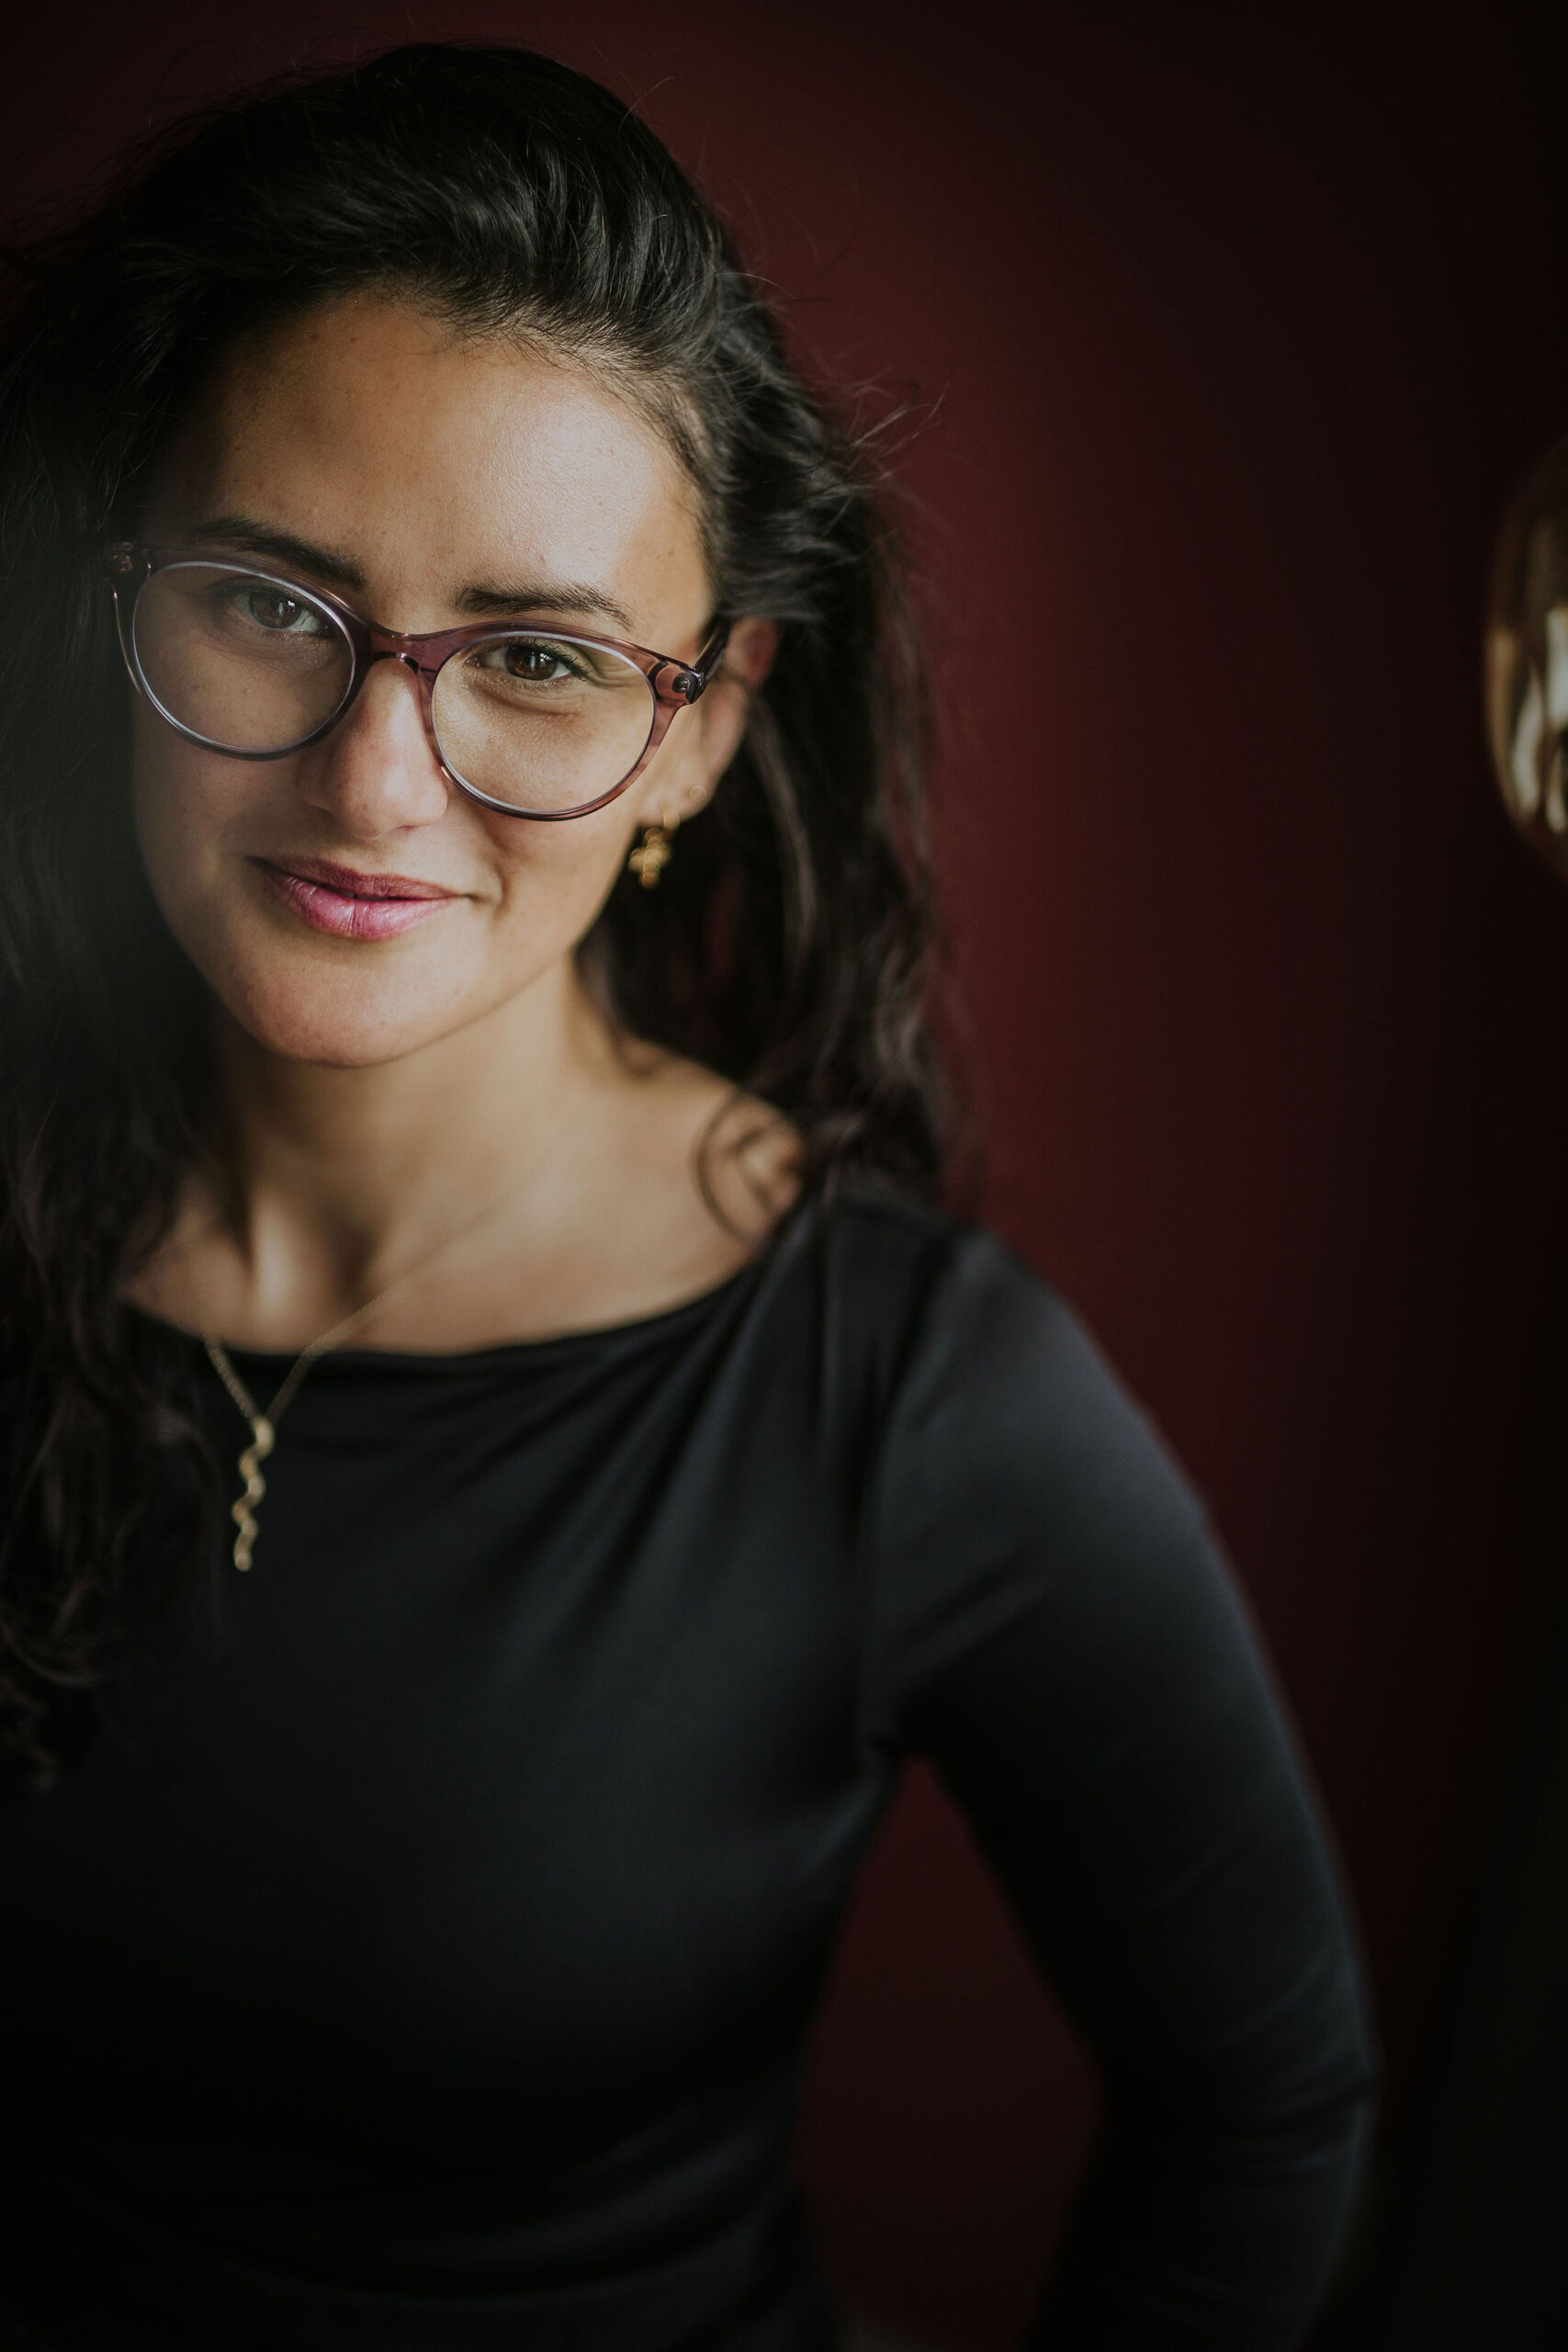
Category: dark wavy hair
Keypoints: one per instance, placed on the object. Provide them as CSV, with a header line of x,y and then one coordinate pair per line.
x,y
788,945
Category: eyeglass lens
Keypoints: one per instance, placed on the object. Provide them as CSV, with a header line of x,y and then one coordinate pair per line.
x,y
539,722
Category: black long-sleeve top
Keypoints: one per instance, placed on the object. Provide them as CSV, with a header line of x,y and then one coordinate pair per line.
x,y
421,1960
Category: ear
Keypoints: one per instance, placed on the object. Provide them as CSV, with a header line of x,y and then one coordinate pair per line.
x,y
747,658
682,786
749,655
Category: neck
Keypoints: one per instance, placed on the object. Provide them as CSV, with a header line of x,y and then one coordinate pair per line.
x,y
337,1180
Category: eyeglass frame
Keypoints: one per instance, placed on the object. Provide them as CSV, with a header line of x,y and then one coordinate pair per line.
x,y
130,565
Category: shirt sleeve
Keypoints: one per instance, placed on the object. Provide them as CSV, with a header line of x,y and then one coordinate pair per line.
x,y
1057,1633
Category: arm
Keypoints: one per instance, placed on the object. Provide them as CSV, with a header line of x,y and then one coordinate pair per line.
x,y
1058,1635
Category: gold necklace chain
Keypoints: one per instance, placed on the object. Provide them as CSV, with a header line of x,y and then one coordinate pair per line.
x,y
264,1426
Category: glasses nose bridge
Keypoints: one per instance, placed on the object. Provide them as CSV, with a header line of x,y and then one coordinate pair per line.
x,y
390,645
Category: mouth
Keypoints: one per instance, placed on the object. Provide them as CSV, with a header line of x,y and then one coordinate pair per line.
x,y
348,904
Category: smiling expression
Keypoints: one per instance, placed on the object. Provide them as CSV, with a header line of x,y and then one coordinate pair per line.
x,y
346,902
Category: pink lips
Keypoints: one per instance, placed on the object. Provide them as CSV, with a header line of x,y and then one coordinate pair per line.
x,y
348,904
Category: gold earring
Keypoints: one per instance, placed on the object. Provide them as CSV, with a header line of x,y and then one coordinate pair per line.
x,y
653,852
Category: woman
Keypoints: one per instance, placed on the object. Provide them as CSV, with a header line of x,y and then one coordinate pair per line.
x,y
466,1109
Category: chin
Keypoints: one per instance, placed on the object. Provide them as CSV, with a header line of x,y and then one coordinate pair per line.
x,y
343,1020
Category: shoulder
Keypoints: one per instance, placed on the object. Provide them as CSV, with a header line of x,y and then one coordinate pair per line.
x,y
988,1378
1017,1472
896,1247
890,1251
976,1328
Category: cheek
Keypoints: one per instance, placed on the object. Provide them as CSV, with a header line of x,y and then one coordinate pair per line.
x,y
554,878
533,891
181,811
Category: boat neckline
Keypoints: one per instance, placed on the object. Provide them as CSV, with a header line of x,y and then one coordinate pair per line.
x,y
629,1328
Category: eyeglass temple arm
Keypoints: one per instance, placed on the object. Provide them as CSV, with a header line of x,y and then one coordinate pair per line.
x,y
697,675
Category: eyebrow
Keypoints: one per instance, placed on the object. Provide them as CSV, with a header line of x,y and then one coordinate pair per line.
x,y
573,596
238,531
480,600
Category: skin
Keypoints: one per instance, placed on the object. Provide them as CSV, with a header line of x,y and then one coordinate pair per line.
x,y
377,1093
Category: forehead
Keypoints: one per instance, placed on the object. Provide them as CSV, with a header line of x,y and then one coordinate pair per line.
x,y
371,427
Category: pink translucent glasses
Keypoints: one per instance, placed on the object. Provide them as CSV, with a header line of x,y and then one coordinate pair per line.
x,y
534,721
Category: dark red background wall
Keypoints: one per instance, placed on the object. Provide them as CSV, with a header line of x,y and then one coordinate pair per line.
x,y
1226,333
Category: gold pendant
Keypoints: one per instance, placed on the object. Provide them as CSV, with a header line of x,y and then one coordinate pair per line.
x,y
264,1438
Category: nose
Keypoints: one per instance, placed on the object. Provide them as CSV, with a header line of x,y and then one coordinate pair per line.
x,y
376,773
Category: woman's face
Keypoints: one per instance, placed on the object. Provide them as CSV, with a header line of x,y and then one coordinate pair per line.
x,y
366,450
